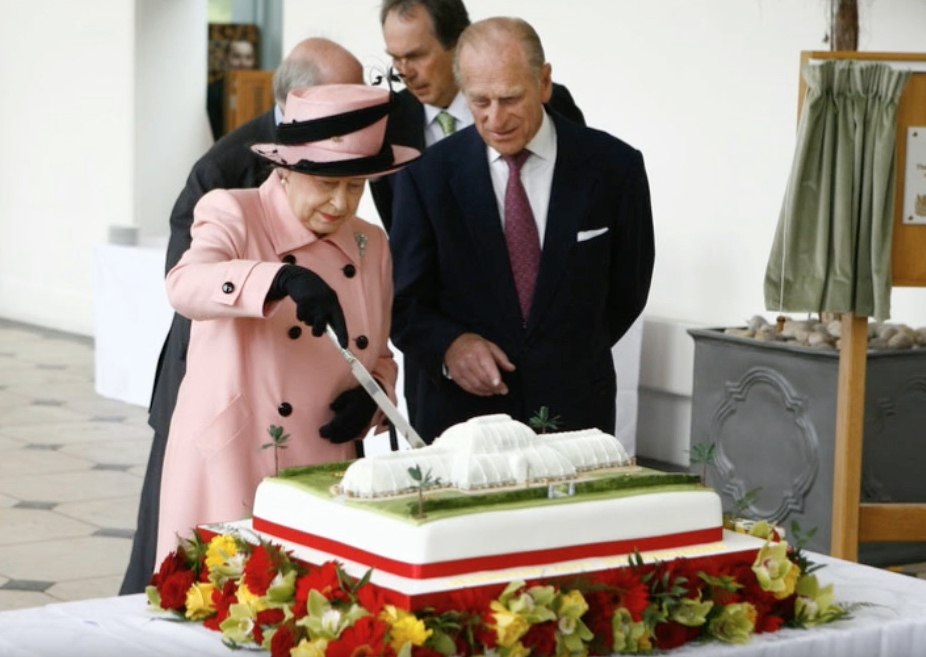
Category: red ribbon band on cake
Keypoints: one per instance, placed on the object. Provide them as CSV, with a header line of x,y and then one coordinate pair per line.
x,y
489,562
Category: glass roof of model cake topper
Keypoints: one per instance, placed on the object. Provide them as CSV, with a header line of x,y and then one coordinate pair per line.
x,y
490,451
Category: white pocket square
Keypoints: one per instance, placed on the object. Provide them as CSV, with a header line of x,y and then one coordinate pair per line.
x,y
584,235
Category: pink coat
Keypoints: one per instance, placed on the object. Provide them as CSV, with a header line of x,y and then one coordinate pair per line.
x,y
250,364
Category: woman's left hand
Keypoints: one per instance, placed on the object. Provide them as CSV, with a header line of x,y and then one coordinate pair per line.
x,y
353,410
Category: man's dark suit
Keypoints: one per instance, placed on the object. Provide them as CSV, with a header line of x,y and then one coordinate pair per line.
x,y
406,127
229,164
452,276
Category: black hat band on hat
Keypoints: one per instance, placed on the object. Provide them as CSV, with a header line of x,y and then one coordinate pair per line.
x,y
358,166
303,132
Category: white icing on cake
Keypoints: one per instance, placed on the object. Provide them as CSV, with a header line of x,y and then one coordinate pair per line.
x,y
488,532
486,452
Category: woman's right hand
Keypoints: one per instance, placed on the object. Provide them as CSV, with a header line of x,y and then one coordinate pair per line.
x,y
316,303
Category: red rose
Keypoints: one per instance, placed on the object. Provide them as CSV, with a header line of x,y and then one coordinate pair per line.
x,y
323,579
631,593
222,599
425,651
259,571
475,600
371,598
174,588
670,635
284,639
768,623
541,638
598,620
173,562
365,638
484,630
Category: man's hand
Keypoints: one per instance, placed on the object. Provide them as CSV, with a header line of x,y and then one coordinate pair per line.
x,y
473,363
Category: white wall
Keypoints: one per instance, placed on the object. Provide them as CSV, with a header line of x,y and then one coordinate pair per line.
x,y
99,125
66,144
171,125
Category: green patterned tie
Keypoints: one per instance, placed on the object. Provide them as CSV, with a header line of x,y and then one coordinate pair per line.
x,y
447,123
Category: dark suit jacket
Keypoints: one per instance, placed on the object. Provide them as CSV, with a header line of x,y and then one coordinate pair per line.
x,y
406,127
229,164
452,276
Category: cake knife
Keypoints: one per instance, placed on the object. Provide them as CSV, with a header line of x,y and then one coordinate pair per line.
x,y
379,396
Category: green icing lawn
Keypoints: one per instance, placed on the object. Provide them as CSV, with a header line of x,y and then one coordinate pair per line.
x,y
442,503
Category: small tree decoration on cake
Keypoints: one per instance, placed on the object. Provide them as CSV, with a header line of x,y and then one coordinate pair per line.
x,y
278,442
422,483
542,422
703,454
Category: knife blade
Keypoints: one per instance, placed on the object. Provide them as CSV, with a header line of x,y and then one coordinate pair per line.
x,y
378,394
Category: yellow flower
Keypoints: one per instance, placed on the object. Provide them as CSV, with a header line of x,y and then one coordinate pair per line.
x,y
734,624
572,605
790,582
518,650
199,601
509,627
392,614
221,548
409,630
245,597
308,648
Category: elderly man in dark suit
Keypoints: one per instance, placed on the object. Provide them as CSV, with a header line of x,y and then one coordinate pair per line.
x,y
229,164
523,249
420,37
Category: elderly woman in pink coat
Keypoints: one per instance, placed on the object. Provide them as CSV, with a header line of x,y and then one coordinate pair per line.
x,y
268,270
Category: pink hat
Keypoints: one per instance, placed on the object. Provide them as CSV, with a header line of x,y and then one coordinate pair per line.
x,y
336,130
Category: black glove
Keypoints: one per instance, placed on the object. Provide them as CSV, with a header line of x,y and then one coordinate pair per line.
x,y
316,303
353,410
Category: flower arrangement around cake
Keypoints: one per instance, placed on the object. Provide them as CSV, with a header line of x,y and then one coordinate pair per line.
x,y
259,595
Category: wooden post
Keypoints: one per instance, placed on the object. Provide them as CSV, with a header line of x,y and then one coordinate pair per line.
x,y
850,421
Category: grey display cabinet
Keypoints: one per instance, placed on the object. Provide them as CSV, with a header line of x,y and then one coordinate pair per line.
x,y
770,408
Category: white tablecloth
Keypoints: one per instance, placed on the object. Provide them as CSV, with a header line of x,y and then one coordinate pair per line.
x,y
892,625
131,318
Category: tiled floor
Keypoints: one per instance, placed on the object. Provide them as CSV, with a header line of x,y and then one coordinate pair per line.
x,y
71,469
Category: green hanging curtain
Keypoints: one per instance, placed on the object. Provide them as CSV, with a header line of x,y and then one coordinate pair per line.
x,y
832,248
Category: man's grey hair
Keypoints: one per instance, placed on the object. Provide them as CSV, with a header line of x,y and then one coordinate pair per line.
x,y
492,33
292,74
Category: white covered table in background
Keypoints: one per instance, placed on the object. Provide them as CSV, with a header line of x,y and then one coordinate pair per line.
x,y
131,318
892,625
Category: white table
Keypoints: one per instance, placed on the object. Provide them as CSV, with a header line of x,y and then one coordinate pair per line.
x,y
131,319
894,625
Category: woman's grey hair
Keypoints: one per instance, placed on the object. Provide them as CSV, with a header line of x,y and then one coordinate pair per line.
x,y
291,74
493,32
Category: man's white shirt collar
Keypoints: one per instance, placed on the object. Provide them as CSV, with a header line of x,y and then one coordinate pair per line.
x,y
457,109
543,144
